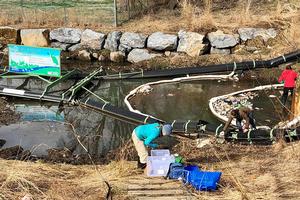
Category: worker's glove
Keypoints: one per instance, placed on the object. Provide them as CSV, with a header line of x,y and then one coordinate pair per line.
x,y
245,130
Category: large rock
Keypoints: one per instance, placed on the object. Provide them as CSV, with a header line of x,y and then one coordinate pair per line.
x,y
117,56
220,40
219,51
8,35
75,47
191,43
138,55
160,41
66,35
84,55
130,40
112,41
251,33
35,37
92,39
59,45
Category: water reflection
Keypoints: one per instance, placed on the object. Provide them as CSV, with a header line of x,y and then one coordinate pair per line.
x,y
189,100
98,133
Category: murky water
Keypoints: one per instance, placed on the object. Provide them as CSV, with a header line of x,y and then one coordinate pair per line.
x,y
44,127
189,100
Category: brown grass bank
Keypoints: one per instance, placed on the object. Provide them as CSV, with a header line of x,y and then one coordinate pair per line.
x,y
249,172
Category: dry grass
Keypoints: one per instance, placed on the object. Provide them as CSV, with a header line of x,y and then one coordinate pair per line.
x,y
49,181
249,172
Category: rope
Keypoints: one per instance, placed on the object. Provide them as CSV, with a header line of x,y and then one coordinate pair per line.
x,y
254,64
87,100
142,71
95,95
217,130
185,126
173,123
234,67
249,138
145,121
271,135
104,105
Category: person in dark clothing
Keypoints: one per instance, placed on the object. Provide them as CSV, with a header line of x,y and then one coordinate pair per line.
x,y
239,114
288,76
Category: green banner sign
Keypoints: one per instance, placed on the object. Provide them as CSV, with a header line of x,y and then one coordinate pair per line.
x,y
34,60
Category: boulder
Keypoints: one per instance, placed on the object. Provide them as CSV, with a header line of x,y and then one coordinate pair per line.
x,y
138,55
92,39
62,46
219,51
160,41
191,43
75,47
220,40
130,40
35,37
8,35
251,33
66,35
112,41
84,55
117,56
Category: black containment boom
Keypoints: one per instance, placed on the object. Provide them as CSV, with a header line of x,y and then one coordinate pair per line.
x,y
244,66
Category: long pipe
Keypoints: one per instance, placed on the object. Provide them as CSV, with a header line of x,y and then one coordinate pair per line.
x,y
248,65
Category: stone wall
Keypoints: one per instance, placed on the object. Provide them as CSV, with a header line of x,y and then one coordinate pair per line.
x,y
136,47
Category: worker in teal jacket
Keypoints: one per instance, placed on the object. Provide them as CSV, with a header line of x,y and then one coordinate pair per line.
x,y
143,137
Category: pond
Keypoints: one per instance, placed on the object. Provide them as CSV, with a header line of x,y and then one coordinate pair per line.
x,y
46,126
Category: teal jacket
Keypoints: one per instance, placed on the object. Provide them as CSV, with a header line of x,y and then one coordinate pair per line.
x,y
148,133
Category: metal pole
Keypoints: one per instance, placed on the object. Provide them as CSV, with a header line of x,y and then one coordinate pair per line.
x,y
115,13
296,101
128,9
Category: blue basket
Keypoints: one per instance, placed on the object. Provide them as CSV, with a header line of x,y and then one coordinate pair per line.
x,y
202,180
188,171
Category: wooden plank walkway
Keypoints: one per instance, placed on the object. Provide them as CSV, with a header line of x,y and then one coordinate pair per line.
x,y
157,188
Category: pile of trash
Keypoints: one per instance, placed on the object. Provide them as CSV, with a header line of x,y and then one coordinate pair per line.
x,y
162,163
145,89
224,105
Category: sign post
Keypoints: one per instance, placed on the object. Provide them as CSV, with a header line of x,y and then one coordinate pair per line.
x,y
34,60
39,62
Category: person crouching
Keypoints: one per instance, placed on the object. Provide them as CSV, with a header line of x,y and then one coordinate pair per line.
x,y
240,114
144,135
